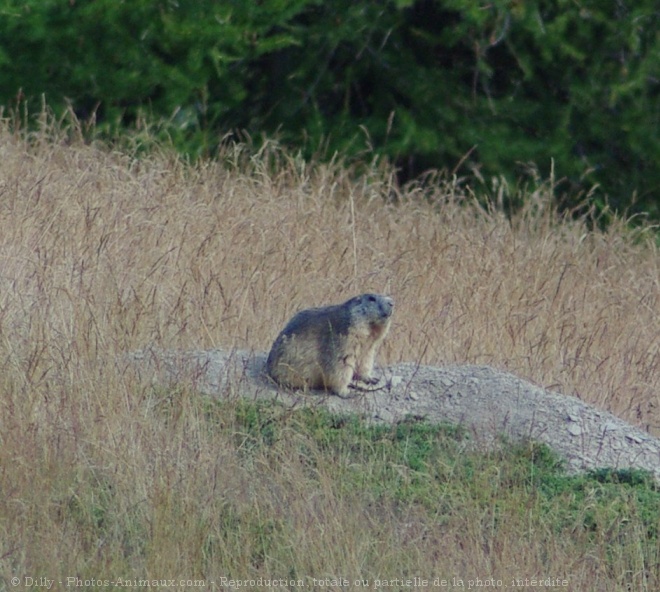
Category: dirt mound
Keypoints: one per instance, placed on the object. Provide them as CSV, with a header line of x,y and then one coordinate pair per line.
x,y
488,403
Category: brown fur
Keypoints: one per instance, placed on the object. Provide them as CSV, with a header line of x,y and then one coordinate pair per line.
x,y
330,346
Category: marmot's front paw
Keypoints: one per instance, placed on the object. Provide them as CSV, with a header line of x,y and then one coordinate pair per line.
x,y
365,379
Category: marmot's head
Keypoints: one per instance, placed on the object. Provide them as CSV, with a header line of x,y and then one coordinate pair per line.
x,y
375,309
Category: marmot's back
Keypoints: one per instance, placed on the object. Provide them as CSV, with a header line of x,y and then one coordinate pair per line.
x,y
330,346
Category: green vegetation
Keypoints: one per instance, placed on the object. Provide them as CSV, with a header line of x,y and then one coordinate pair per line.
x,y
426,465
414,480
430,470
488,91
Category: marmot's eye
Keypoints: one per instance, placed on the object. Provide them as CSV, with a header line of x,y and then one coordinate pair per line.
x,y
372,299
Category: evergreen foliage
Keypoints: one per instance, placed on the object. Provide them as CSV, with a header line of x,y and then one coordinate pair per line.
x,y
480,89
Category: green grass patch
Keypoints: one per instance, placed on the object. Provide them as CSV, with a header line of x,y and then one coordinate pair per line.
x,y
436,466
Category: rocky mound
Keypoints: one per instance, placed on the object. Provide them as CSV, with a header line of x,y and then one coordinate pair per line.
x,y
488,403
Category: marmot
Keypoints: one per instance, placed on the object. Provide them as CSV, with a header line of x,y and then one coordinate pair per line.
x,y
330,346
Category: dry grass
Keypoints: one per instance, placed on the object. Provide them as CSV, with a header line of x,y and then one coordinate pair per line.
x,y
102,253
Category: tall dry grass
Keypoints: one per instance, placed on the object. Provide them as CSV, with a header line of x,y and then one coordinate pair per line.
x,y
102,252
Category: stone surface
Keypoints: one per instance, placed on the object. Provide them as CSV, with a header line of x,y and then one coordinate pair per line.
x,y
487,402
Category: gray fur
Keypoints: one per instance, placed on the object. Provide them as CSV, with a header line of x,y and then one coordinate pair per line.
x,y
328,347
